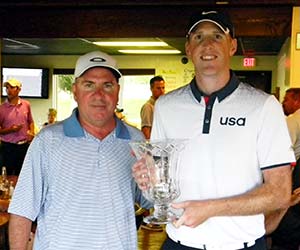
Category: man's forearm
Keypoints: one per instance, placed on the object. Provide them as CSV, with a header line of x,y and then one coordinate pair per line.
x,y
19,232
146,131
4,131
273,194
31,128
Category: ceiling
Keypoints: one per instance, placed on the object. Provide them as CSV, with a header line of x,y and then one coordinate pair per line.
x,y
68,27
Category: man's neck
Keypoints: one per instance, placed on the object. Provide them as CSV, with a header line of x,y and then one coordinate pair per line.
x,y
14,100
211,84
99,130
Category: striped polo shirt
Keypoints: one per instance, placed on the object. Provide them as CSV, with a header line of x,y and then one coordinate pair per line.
x,y
79,188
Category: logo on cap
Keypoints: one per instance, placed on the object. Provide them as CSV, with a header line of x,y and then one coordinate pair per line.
x,y
208,12
97,59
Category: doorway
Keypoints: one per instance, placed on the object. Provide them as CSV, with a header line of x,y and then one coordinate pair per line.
x,y
258,79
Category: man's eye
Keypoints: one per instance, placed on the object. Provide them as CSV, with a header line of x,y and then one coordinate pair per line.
x,y
197,37
108,86
218,36
88,85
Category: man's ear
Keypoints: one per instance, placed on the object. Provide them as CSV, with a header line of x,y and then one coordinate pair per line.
x,y
74,92
233,46
187,49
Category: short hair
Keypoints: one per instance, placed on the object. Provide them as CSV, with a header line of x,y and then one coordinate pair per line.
x,y
295,93
155,79
52,111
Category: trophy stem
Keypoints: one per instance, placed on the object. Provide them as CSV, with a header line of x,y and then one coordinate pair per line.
x,y
161,215
161,211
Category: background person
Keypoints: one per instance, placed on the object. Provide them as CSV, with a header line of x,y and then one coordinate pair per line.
x,y
291,108
157,87
283,226
52,113
76,179
228,179
16,127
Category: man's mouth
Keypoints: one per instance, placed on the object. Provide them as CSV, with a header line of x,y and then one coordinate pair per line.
x,y
208,57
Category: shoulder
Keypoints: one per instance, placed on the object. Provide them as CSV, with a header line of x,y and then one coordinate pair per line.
x,y
47,139
293,118
135,134
147,107
248,90
149,103
25,104
247,94
23,101
4,105
53,131
174,95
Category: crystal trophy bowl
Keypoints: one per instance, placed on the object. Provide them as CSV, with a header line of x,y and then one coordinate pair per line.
x,y
162,160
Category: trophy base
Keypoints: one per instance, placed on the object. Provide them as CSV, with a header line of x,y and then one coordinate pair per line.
x,y
151,219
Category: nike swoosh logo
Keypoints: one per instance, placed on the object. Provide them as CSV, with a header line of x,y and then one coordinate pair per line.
x,y
208,12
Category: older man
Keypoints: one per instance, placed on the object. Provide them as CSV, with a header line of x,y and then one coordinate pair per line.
x,y
76,179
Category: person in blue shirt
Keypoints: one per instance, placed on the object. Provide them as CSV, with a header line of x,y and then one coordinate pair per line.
x,y
76,178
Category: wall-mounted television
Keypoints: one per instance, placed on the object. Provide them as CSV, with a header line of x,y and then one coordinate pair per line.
x,y
35,81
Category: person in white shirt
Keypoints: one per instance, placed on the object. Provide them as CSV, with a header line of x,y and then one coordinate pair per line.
x,y
237,160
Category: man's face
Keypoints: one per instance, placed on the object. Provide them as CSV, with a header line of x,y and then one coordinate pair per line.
x,y
51,118
158,89
290,104
12,91
96,93
210,49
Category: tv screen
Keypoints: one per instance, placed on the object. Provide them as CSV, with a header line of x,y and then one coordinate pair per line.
x,y
35,81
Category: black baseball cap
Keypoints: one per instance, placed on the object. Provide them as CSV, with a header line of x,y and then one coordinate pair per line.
x,y
221,19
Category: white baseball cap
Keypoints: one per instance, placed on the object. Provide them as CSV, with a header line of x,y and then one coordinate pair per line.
x,y
96,59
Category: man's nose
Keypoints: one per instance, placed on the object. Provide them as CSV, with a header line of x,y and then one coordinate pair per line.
x,y
207,41
99,91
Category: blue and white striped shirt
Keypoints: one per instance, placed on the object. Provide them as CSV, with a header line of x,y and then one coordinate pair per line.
x,y
79,188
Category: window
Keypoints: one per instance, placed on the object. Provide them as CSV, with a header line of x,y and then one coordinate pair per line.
x,y
63,99
135,91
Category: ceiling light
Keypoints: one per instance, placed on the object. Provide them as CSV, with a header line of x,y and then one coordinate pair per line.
x,y
132,44
143,51
15,44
